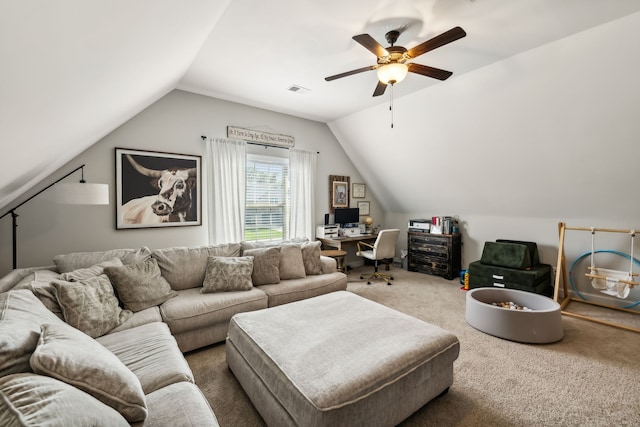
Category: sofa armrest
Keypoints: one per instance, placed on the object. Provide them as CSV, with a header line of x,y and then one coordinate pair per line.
x,y
15,276
328,264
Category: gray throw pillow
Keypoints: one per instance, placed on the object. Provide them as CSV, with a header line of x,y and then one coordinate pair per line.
x,y
311,257
141,285
291,264
90,305
69,355
266,262
228,274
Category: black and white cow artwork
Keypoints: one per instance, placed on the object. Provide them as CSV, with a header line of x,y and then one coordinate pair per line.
x,y
174,201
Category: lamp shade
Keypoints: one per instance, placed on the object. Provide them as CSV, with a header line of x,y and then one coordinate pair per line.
x,y
392,73
79,193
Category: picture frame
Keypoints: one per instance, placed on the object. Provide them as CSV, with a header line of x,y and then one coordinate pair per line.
x,y
364,208
339,192
358,191
157,189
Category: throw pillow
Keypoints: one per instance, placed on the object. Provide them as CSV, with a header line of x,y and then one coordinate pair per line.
x,y
69,355
141,285
87,273
90,305
311,257
30,399
21,315
266,262
291,264
228,274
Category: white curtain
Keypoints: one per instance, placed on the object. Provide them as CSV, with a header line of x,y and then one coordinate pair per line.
x,y
226,174
302,170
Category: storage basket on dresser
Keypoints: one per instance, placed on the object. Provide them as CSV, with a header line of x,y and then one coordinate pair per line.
x,y
436,254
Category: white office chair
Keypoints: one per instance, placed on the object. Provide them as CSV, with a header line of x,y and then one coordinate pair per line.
x,y
384,248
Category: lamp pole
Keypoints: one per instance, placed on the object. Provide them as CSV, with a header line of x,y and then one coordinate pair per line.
x,y
14,215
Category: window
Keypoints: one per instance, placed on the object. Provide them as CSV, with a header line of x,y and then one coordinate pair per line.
x,y
267,198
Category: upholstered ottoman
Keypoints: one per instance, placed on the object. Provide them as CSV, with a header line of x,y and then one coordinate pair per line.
x,y
338,360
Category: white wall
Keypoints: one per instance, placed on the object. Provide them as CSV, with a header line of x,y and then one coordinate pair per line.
x,y
512,149
173,124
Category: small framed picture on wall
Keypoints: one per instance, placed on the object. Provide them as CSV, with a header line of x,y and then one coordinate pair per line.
x,y
364,208
358,191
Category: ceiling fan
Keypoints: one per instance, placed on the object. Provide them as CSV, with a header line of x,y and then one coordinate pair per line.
x,y
392,62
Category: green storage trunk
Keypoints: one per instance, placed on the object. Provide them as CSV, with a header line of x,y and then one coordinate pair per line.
x,y
535,279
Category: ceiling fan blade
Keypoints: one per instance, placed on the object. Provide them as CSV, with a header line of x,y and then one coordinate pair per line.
x,y
434,43
380,88
435,73
371,44
352,72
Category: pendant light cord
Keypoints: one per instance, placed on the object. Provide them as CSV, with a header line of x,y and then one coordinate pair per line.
x,y
391,104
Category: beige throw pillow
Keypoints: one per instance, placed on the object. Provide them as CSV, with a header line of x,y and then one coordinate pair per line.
x,y
90,305
266,262
228,274
69,355
291,265
51,402
311,257
141,285
21,315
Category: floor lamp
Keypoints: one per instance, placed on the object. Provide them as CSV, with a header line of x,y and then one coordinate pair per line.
x,y
80,193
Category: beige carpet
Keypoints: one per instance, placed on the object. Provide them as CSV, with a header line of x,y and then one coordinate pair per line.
x,y
590,378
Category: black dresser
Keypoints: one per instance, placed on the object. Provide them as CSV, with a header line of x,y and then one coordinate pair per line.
x,y
437,254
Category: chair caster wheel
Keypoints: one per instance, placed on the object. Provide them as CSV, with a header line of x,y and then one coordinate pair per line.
x,y
361,277
389,283
368,283
391,278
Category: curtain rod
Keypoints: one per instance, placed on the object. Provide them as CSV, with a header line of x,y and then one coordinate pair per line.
x,y
204,139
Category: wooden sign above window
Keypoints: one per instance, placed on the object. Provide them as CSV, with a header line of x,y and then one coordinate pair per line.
x,y
258,137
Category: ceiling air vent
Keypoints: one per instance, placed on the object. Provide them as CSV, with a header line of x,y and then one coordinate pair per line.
x,y
297,89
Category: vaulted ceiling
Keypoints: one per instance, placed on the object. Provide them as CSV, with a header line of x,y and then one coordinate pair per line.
x,y
72,71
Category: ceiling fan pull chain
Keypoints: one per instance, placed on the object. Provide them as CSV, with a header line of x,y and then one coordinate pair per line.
x,y
391,104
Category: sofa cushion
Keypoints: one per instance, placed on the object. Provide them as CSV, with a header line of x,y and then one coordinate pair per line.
x,y
40,285
228,274
192,310
34,400
21,315
90,305
89,272
184,267
19,275
291,264
310,286
190,410
140,285
266,262
139,318
69,355
311,257
73,261
151,353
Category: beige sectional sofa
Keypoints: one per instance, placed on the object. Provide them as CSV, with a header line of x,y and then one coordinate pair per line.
x,y
99,336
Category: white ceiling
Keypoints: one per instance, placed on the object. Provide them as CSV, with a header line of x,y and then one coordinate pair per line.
x,y
72,71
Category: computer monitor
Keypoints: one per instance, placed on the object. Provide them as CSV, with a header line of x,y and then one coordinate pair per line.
x,y
346,215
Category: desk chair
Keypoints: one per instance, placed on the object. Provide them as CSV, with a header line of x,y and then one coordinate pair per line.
x,y
383,248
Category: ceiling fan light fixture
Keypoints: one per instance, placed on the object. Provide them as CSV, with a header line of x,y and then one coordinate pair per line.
x,y
392,73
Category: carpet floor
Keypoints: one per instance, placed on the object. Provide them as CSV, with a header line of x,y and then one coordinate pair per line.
x,y
589,378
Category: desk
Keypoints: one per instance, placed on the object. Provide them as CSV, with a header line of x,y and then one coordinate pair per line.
x,y
346,241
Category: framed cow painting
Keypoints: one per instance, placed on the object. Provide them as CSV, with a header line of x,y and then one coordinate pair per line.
x,y
155,189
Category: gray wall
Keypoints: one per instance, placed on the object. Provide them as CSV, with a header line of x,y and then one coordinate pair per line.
x,y
173,124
